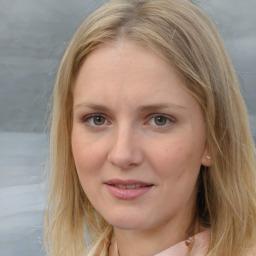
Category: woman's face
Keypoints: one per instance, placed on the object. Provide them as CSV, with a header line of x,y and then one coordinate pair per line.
x,y
138,138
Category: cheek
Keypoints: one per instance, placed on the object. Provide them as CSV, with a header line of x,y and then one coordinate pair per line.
x,y
87,154
176,158
87,164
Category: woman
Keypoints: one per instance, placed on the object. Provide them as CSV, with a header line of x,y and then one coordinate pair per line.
x,y
151,149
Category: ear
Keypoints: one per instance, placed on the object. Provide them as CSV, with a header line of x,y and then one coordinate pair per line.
x,y
206,159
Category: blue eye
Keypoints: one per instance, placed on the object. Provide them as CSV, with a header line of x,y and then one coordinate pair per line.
x,y
96,120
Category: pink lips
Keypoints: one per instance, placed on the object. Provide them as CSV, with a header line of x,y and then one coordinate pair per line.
x,y
127,189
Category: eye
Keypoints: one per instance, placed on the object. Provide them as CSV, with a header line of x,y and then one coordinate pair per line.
x,y
95,120
160,120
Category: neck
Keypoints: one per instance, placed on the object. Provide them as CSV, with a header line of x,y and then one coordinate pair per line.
x,y
151,241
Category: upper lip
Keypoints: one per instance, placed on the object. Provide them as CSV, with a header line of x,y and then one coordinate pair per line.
x,y
127,182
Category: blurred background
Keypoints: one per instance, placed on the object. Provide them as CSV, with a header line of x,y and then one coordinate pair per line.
x,y
33,37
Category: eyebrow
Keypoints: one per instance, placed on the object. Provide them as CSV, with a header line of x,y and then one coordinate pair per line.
x,y
142,108
161,106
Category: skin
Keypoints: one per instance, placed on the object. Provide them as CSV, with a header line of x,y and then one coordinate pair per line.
x,y
128,86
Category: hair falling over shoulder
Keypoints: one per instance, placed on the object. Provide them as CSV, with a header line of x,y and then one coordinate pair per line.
x,y
180,33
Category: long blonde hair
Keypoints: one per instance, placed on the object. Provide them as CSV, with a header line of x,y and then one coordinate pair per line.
x,y
179,32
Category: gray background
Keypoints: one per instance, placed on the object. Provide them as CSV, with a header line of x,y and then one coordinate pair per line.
x,y
33,36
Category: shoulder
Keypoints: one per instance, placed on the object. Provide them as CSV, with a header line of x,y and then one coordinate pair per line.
x,y
201,243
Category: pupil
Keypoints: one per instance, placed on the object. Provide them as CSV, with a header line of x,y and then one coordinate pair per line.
x,y
99,120
160,120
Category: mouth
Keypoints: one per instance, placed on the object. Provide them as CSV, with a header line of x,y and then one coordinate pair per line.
x,y
133,186
128,189
127,184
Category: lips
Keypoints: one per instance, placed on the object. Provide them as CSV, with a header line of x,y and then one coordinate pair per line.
x,y
127,189
128,186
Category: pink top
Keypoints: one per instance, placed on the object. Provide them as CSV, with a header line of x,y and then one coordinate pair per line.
x,y
196,245
199,244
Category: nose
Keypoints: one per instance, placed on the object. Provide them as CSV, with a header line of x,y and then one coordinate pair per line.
x,y
126,150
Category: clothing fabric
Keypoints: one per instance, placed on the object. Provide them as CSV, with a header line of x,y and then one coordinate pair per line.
x,y
196,245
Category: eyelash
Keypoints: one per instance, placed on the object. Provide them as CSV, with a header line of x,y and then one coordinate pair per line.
x,y
169,120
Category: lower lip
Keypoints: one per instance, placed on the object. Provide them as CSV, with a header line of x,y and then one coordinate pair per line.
x,y
127,194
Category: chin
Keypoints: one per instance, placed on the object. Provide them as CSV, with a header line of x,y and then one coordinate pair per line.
x,y
128,226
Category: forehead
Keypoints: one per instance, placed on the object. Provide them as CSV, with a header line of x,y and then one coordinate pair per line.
x,y
131,73
125,53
